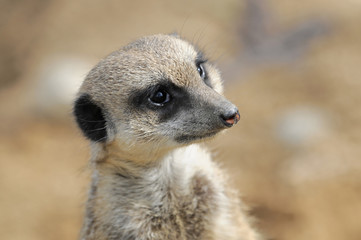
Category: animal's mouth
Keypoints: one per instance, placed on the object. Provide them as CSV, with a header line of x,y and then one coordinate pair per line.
x,y
196,137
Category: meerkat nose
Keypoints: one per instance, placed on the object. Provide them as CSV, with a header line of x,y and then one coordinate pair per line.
x,y
230,118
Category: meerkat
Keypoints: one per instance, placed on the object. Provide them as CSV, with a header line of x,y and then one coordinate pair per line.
x,y
146,108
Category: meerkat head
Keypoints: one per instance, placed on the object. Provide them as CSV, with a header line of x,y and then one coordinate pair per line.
x,y
153,95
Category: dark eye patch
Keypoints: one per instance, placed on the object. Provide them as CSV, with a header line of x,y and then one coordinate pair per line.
x,y
180,99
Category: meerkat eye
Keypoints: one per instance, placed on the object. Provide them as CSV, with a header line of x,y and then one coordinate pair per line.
x,y
201,71
159,98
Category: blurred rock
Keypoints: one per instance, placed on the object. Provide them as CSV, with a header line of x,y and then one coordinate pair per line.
x,y
301,125
59,79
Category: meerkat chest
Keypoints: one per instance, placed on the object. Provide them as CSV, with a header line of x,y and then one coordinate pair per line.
x,y
175,216
177,200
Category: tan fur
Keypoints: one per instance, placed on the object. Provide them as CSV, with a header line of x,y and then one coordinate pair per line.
x,y
146,184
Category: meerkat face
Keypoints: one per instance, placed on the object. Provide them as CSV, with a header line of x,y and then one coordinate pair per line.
x,y
158,91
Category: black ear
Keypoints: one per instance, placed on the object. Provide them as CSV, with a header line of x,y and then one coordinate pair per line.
x,y
90,119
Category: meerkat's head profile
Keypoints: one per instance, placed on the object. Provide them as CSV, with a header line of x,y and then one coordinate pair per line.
x,y
153,95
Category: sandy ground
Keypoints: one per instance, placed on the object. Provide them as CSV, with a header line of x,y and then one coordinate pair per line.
x,y
295,76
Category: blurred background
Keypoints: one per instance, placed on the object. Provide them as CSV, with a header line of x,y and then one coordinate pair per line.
x,y
292,67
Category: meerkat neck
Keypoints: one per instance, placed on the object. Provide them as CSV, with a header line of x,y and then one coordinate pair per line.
x,y
117,153
169,170
123,182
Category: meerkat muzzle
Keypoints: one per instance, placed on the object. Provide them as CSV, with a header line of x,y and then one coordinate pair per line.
x,y
231,118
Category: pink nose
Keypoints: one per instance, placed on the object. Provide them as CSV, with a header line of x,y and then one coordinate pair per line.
x,y
231,118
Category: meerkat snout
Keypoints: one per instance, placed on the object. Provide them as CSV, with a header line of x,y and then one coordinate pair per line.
x,y
231,118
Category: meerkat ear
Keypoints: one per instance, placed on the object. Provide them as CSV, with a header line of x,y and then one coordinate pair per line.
x,y
90,119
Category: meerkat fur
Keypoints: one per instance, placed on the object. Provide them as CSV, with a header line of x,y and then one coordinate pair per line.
x,y
146,108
